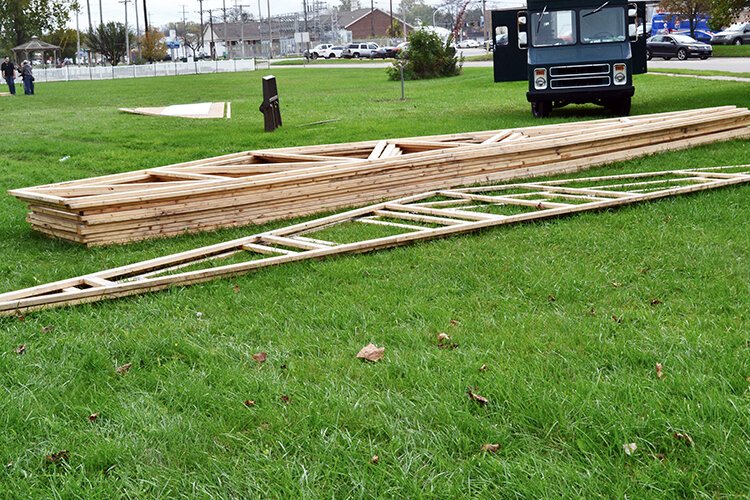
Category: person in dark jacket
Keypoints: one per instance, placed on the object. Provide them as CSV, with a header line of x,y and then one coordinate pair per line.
x,y
28,78
8,70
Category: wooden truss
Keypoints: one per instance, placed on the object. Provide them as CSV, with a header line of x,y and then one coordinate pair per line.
x,y
430,215
259,186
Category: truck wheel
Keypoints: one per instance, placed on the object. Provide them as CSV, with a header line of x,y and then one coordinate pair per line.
x,y
738,41
620,107
541,109
682,54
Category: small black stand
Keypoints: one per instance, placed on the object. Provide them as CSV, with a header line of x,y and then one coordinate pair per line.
x,y
270,106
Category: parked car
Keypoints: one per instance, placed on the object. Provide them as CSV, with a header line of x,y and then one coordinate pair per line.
x,y
333,52
702,36
318,50
680,46
385,53
736,34
468,44
359,49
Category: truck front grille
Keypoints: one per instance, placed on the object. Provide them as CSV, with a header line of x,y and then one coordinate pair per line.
x,y
579,70
574,83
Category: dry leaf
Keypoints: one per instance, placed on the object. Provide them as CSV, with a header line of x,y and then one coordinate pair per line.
x,y
681,436
199,315
490,448
481,400
93,417
453,322
285,399
660,457
236,288
483,368
121,370
260,357
551,298
47,329
56,458
442,341
656,302
659,371
249,403
21,317
616,284
442,337
371,352
616,319
21,349
375,459
629,448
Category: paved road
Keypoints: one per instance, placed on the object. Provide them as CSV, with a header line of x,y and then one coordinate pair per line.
x,y
731,64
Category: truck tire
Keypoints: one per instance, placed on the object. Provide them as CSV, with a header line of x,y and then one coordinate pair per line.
x,y
620,107
541,109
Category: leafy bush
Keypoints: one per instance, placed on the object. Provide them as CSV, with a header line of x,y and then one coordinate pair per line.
x,y
427,57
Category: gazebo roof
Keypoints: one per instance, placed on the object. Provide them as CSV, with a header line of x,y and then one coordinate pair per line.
x,y
35,44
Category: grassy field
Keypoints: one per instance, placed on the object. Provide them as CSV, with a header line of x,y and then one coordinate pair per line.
x,y
699,72
731,50
569,316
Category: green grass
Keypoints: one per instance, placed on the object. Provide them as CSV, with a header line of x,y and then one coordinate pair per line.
x,y
699,72
567,384
731,50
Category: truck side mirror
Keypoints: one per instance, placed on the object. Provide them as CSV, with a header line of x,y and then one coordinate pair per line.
x,y
522,38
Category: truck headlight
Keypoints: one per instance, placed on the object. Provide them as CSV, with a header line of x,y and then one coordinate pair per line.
x,y
621,74
540,79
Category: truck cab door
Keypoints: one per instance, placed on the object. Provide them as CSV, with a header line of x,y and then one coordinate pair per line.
x,y
637,31
510,58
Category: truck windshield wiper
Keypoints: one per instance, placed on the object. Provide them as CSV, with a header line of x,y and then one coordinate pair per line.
x,y
597,10
539,23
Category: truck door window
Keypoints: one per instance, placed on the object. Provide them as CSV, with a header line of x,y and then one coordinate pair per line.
x,y
550,28
522,41
603,25
501,35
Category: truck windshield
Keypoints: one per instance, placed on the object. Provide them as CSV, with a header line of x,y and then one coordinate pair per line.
x,y
603,25
555,27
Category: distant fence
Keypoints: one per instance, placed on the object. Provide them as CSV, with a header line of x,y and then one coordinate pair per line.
x,y
70,73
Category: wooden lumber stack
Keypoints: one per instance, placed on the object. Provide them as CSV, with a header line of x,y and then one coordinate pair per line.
x,y
258,186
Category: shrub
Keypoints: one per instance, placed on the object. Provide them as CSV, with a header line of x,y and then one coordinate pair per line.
x,y
427,57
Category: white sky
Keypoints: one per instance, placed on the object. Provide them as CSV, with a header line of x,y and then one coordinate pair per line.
x,y
162,12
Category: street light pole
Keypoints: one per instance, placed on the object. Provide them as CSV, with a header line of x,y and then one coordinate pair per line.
x,y
137,30
127,35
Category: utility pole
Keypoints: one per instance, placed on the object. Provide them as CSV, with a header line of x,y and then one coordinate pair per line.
x,y
203,29
78,36
101,14
372,18
127,35
211,26
270,32
242,28
88,11
390,28
226,42
260,26
137,30
304,7
145,24
184,32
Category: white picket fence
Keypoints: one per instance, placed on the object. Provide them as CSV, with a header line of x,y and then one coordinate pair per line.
x,y
70,73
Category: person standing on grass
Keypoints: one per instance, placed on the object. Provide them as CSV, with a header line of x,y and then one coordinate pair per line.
x,y
8,69
28,78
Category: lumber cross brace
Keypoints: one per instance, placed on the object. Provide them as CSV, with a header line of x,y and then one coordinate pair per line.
x,y
425,216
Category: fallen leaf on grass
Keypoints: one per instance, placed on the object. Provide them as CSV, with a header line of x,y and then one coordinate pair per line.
x,y
249,403
371,352
236,288
443,341
656,302
685,438
483,368
490,448
629,448
285,399
551,298
122,370
260,357
616,284
659,371
21,317
617,319
660,457
48,329
93,417
59,457
481,400
21,349
453,322
375,459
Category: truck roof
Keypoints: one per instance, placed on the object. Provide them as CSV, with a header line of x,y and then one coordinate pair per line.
x,y
572,4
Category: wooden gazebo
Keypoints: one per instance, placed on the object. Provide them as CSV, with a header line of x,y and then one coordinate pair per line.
x,y
36,45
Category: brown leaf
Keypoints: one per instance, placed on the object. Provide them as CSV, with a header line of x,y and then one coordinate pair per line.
x,y
21,349
375,459
483,368
616,319
551,298
453,322
656,302
48,329
249,403
122,370
442,341
285,399
56,458
481,400
371,352
236,288
93,417
490,448
660,457
616,284
659,371
21,317
684,437
442,337
260,357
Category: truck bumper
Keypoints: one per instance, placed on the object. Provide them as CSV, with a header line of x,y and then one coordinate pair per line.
x,y
594,95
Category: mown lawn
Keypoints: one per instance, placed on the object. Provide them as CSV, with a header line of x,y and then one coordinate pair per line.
x,y
569,316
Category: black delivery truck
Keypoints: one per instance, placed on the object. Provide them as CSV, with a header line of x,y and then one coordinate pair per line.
x,y
572,51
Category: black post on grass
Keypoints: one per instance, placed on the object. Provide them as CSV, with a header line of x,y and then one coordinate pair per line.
x,y
401,69
270,105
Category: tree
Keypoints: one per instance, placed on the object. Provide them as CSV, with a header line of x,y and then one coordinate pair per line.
x,y
416,12
152,48
20,19
725,12
109,40
345,6
687,9
427,57
66,39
